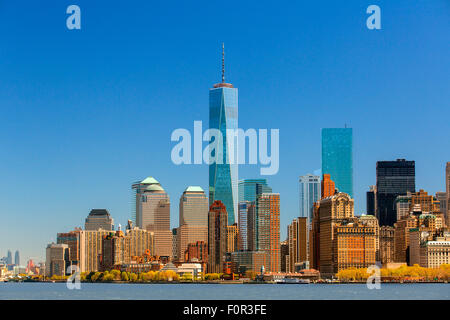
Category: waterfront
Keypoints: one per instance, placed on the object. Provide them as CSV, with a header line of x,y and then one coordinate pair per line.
x,y
109,291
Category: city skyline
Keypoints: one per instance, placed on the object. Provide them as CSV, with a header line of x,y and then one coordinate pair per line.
x,y
96,124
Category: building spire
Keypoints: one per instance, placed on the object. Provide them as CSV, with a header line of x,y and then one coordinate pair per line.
x,y
223,62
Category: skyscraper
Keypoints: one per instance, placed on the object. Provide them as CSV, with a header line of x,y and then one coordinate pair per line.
x,y
17,258
371,203
243,224
99,219
223,177
297,242
268,229
309,193
249,189
193,219
337,157
447,185
442,198
217,236
138,189
153,214
394,178
9,257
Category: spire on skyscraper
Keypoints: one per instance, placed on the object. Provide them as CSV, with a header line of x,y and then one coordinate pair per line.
x,y
223,62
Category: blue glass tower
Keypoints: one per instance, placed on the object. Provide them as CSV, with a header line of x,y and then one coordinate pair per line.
x,y
337,158
249,189
223,115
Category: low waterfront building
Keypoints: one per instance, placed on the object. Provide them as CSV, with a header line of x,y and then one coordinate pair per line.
x,y
243,261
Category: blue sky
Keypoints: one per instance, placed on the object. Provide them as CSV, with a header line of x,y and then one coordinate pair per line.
x,y
84,113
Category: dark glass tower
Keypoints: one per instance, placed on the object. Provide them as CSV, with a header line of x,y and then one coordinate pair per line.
x,y
394,178
371,196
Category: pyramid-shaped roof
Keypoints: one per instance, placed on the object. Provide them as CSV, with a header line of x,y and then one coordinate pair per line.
x,y
149,180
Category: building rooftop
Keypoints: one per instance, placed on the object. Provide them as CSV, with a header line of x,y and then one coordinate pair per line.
x,y
194,189
149,180
154,187
99,212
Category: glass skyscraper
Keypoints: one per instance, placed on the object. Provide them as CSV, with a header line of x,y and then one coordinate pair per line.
x,y
249,189
337,157
223,178
394,178
309,193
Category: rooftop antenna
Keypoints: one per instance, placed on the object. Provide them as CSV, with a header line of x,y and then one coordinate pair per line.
x,y
223,62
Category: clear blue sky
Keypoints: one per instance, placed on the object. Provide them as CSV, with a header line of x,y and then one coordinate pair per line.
x,y
85,113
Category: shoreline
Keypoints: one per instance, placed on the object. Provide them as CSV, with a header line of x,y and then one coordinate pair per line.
x,y
230,282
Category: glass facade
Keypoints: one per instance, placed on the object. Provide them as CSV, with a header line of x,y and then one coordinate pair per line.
x,y
309,193
223,177
243,209
249,189
337,158
394,178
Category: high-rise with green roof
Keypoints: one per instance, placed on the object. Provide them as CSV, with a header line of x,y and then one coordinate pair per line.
x,y
152,213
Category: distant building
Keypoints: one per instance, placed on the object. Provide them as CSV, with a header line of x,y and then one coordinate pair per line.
x,y
297,243
57,259
429,249
244,261
355,245
394,178
217,236
175,244
417,219
447,186
371,201
197,251
309,186
427,203
99,219
250,189
268,229
17,258
337,157
193,219
327,186
442,198
72,240
232,238
284,252
372,221
386,244
9,258
242,225
153,213
223,173
252,227
119,248
342,240
402,205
